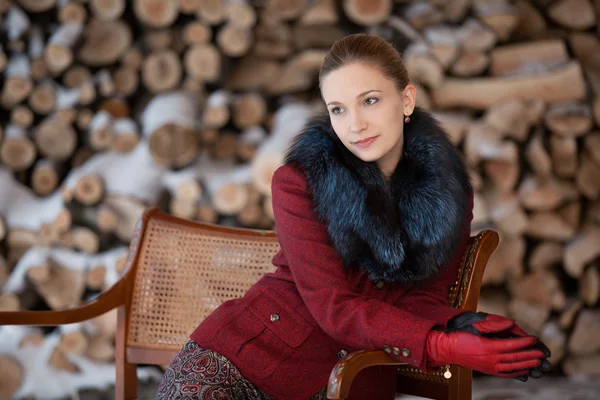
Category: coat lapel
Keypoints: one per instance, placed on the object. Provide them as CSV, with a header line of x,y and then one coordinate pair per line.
x,y
404,231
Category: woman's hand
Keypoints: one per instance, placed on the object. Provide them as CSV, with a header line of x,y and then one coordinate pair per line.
x,y
496,326
502,357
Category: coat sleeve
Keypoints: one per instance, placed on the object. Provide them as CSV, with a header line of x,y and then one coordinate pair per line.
x,y
317,269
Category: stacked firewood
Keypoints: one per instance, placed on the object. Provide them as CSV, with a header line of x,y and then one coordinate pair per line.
x,y
108,107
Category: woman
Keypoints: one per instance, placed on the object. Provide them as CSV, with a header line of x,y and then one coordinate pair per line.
x,y
373,207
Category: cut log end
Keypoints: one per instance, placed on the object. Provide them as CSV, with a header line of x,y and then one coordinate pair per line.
x,y
12,376
89,190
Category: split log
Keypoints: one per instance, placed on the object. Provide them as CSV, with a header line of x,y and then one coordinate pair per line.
x,y
562,13
422,15
506,212
104,42
17,83
556,339
217,112
506,263
297,74
422,65
126,81
22,116
545,194
528,58
563,84
563,151
532,24
537,157
549,225
540,287
45,177
13,376
226,186
285,10
162,71
531,317
545,255
197,33
569,119
470,63
17,151
233,40
248,110
203,61
43,98
584,339
156,13
474,36
320,12
571,213
589,286
581,250
483,142
251,73
58,54
107,10
591,143
89,190
504,175
588,177
74,13
571,311
55,139
443,43
211,12
74,342
288,122
511,118
126,135
248,142
501,16
168,122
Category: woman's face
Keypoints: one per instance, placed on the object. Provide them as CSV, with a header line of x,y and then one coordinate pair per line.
x,y
367,112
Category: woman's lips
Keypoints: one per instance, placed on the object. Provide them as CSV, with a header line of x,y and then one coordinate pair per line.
x,y
366,142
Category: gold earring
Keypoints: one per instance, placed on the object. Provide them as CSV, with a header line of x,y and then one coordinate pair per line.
x,y
407,119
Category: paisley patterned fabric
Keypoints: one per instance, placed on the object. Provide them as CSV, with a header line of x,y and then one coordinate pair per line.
x,y
197,373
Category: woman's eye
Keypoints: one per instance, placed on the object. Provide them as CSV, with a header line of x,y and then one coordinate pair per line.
x,y
336,110
371,100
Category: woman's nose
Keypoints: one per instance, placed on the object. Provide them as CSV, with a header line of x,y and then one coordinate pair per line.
x,y
357,123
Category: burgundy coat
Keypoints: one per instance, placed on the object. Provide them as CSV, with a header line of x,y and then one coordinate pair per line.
x,y
291,328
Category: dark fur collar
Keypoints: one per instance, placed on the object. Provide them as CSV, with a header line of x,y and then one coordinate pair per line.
x,y
402,232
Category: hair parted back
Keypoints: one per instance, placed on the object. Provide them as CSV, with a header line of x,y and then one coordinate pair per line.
x,y
369,49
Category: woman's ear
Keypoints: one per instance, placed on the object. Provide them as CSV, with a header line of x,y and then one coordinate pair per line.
x,y
409,96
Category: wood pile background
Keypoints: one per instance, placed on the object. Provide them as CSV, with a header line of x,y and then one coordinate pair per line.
x,y
111,106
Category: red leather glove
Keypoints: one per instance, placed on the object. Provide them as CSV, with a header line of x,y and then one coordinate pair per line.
x,y
496,326
505,358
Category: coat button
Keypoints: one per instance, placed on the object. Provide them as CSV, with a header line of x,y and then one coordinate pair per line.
x,y
379,284
387,349
342,353
406,352
274,317
396,351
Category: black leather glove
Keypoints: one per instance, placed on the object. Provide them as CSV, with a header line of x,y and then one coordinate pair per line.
x,y
496,326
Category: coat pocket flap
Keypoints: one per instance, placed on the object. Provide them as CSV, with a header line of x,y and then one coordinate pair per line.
x,y
281,318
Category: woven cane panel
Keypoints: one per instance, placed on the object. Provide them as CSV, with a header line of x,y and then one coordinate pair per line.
x,y
184,274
